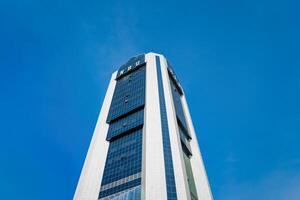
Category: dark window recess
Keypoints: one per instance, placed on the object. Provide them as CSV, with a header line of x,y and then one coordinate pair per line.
x,y
177,103
174,79
183,129
185,142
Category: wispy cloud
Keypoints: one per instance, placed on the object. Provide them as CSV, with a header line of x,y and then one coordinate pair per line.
x,y
120,42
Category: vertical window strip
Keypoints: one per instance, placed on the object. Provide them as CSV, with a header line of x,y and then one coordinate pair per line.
x,y
169,170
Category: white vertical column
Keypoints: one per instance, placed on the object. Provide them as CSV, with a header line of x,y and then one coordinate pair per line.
x,y
153,174
88,187
201,181
177,157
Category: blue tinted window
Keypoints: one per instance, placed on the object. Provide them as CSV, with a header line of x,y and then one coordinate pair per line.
x,y
183,131
129,94
185,142
120,188
124,157
129,194
126,124
132,64
170,179
178,104
126,117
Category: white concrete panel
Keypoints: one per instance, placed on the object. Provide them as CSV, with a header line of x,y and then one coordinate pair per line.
x,y
154,183
91,175
178,160
201,181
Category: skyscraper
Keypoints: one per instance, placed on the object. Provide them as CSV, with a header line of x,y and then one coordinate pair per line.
x,y
144,145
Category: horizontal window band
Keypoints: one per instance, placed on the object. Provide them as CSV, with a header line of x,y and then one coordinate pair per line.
x,y
119,188
133,193
121,134
109,121
125,124
120,181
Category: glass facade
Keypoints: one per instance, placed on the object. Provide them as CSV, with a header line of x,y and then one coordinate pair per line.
x,y
169,171
126,124
183,131
122,173
123,168
141,123
131,194
129,95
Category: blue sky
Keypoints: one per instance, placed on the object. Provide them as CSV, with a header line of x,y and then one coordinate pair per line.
x,y
239,62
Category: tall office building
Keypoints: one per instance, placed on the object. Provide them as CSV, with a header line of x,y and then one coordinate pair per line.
x,y
144,145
